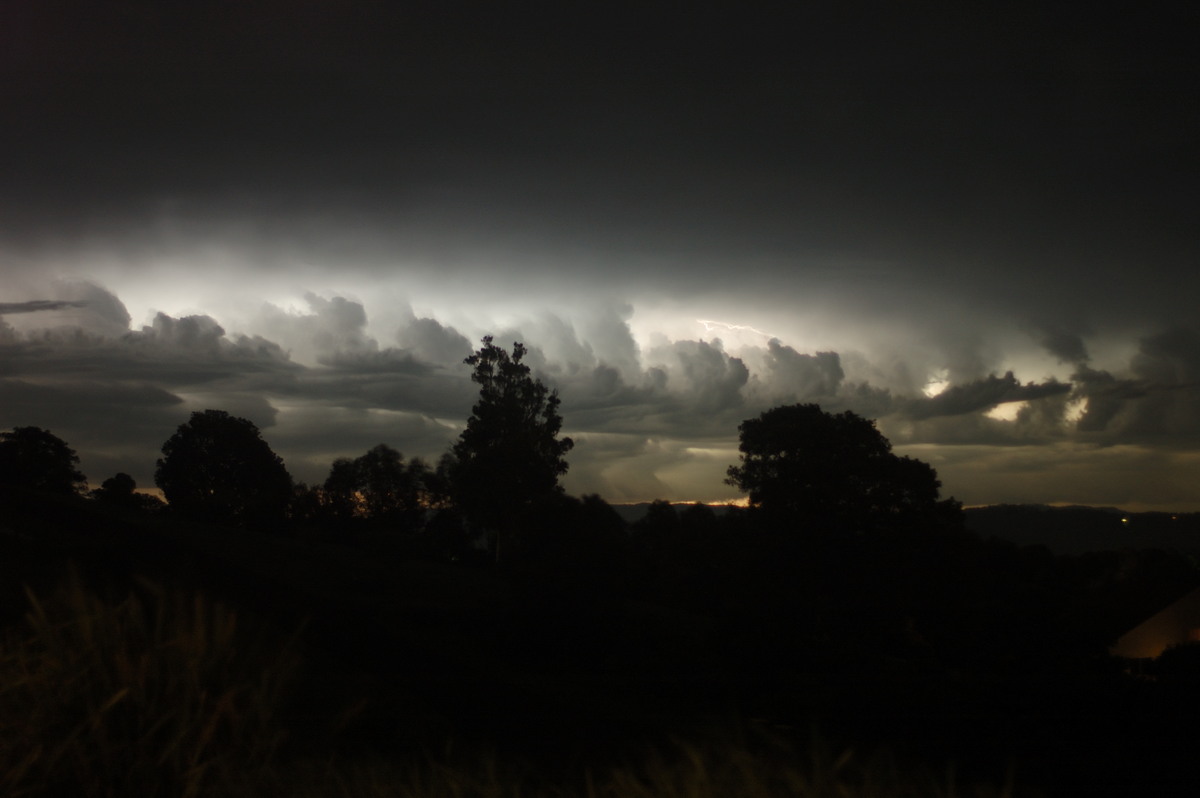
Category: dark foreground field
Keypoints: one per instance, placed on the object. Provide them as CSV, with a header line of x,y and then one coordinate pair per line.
x,y
152,657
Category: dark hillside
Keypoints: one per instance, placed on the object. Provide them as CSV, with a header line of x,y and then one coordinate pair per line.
x,y
1076,530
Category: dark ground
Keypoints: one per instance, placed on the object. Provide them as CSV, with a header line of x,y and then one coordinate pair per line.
x,y
469,652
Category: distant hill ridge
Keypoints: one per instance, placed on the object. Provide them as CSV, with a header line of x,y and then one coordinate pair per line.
x,y
1080,529
1074,529
631,513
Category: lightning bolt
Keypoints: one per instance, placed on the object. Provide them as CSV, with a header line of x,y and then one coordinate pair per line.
x,y
710,325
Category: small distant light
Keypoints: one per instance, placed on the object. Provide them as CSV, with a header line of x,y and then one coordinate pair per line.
x,y
1124,520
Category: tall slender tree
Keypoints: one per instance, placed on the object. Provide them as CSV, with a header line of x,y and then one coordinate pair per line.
x,y
508,459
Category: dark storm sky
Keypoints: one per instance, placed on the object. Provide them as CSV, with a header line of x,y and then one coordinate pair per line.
x,y
307,214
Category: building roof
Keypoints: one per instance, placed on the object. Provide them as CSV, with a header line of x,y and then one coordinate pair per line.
x,y
1176,623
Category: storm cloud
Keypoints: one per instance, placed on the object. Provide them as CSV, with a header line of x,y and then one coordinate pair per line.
x,y
35,305
652,418
981,394
979,232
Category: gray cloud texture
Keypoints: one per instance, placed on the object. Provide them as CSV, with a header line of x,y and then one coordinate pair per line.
x,y
311,218
981,394
653,419
33,306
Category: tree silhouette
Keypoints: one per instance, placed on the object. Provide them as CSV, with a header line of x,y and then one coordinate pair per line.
x,y
378,486
120,493
832,470
509,458
339,494
117,490
217,468
32,458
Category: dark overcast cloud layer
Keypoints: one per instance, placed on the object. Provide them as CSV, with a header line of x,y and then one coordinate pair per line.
x,y
307,215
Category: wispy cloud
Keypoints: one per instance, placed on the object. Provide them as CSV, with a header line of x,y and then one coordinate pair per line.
x,y
38,305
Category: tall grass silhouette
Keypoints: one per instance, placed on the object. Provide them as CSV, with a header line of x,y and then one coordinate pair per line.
x,y
167,693
682,770
160,693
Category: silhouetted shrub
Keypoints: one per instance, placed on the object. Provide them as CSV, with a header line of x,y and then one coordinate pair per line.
x,y
379,488
119,492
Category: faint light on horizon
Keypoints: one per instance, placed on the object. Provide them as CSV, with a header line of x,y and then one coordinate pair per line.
x,y
741,501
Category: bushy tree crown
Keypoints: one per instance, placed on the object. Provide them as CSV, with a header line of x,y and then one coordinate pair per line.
x,y
217,468
829,469
377,486
34,459
510,455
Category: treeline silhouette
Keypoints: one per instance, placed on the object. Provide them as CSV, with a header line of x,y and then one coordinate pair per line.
x,y
489,604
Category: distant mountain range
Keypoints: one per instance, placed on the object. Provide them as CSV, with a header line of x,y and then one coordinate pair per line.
x,y
1063,530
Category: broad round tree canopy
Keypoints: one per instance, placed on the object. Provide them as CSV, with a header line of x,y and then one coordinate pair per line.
x,y
831,469
218,468
32,458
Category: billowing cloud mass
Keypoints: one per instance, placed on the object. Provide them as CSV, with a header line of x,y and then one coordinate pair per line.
x,y
979,232
983,394
652,418
1068,347
430,342
798,376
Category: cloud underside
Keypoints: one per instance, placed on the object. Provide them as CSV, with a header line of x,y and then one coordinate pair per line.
x,y
655,417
